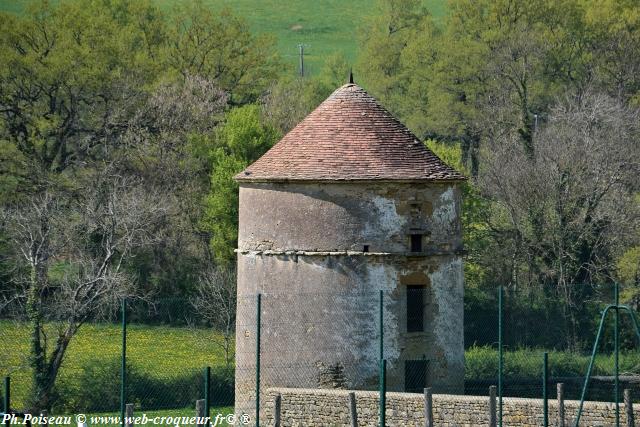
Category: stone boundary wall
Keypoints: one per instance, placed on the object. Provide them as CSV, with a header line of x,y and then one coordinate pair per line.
x,y
318,407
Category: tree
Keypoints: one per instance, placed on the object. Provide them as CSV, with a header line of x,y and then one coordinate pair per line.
x,y
221,48
491,67
397,48
89,235
86,83
563,217
68,73
167,143
240,141
613,28
629,275
215,300
103,167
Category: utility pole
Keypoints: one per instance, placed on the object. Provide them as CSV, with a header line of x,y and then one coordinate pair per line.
x,y
301,52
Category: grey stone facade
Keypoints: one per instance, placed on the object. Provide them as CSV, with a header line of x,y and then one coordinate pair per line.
x,y
319,252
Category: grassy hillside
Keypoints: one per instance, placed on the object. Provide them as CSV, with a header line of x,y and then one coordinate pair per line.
x,y
324,27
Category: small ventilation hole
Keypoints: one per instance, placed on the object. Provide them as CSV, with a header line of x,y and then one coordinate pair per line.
x,y
416,243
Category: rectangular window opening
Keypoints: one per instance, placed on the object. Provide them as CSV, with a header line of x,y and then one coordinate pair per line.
x,y
365,248
416,243
415,308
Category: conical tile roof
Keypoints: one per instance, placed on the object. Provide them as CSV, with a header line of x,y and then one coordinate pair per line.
x,y
349,137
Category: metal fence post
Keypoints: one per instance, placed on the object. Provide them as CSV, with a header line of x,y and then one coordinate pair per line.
x,y
383,392
545,404
207,379
123,368
7,397
353,411
500,355
381,319
617,355
277,408
7,394
258,315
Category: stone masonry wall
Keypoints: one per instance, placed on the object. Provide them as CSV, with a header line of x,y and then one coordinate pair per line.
x,y
316,407
319,253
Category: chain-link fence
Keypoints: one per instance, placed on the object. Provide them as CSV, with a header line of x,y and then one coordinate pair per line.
x,y
312,340
547,347
166,346
329,341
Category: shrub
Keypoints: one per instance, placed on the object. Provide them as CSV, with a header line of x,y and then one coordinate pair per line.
x,y
481,363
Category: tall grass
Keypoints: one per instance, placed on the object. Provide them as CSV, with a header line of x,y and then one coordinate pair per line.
x,y
156,356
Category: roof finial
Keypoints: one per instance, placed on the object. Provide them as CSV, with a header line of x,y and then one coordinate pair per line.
x,y
350,75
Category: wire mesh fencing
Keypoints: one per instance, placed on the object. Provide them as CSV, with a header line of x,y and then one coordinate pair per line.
x,y
165,345
326,340
525,345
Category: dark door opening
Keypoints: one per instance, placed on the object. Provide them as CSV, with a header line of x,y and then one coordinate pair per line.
x,y
415,375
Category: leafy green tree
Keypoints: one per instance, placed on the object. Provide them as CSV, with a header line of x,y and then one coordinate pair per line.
x,y
220,47
629,274
70,74
397,49
106,85
613,34
492,67
241,140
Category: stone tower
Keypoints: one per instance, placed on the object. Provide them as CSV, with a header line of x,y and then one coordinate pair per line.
x,y
349,203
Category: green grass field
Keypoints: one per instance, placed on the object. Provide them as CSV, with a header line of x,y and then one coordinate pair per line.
x,y
161,354
167,364
324,27
171,360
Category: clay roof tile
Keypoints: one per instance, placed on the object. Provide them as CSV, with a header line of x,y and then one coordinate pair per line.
x,y
349,137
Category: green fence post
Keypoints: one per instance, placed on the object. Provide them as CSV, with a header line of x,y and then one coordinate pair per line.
x,y
383,392
500,355
7,397
591,362
545,371
616,333
258,315
381,326
123,367
207,378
